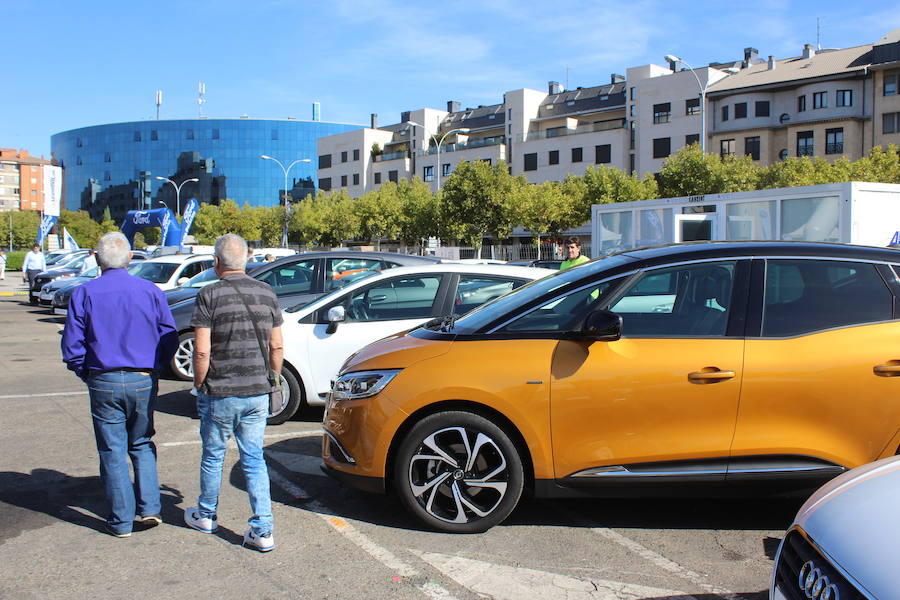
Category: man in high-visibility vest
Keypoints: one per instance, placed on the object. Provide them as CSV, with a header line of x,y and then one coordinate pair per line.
x,y
574,257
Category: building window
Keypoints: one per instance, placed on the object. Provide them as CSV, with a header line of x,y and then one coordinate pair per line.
x,y
78,160
488,161
392,176
820,100
725,113
631,93
356,179
553,157
137,136
107,176
834,141
576,154
804,143
154,136
428,173
801,103
889,87
692,106
726,147
107,157
691,138
445,170
344,156
661,112
630,164
631,108
740,110
356,154
274,134
325,184
844,98
890,122
603,154
215,134
343,181
377,178
324,161
189,134
531,161
662,147
557,131
761,108
751,147
78,143
631,135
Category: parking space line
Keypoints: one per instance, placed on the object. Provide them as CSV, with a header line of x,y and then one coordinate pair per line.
x,y
268,436
45,395
361,540
664,563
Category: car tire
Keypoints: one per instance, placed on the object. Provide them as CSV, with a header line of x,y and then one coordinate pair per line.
x,y
181,364
293,397
476,491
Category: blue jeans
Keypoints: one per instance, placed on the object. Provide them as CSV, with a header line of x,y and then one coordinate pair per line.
x,y
122,404
246,419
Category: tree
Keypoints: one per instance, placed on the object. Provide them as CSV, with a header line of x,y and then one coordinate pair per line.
x,y
546,209
691,172
24,228
794,172
380,214
271,221
81,226
477,200
603,185
421,211
207,224
881,165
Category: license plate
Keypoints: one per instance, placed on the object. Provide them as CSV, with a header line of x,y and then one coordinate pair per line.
x,y
60,311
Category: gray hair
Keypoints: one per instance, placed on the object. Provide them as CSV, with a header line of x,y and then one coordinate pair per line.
x,y
231,250
113,251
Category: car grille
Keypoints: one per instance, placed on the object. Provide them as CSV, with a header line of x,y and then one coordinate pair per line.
x,y
797,551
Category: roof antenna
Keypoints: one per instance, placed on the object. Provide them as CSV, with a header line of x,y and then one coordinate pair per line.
x,y
818,35
158,102
567,77
201,97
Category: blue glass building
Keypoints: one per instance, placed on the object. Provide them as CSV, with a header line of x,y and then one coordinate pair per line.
x,y
116,165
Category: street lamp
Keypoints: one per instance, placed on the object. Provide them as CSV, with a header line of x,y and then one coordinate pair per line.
x,y
439,142
177,190
730,71
287,206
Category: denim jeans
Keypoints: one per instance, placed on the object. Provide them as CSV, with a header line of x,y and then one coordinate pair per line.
x,y
122,404
246,419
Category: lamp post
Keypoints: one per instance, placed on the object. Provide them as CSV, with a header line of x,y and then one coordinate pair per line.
x,y
730,71
287,206
438,142
177,191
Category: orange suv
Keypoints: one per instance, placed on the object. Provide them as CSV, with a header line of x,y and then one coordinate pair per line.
x,y
667,370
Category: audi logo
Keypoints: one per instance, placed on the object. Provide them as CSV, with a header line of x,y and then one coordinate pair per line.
x,y
815,584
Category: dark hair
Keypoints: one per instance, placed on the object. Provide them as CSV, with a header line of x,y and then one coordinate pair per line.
x,y
572,240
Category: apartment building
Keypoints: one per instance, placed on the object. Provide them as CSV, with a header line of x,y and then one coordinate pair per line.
x,y
830,103
21,180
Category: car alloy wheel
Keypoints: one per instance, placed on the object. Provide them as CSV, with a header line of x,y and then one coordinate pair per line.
x,y
459,472
182,364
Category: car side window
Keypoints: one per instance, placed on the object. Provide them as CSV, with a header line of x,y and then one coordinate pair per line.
x,y
803,296
565,313
342,271
294,278
474,290
395,299
689,300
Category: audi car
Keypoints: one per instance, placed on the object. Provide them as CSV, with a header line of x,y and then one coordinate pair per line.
x,y
692,369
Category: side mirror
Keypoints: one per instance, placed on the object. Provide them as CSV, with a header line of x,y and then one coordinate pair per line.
x,y
183,280
336,314
602,326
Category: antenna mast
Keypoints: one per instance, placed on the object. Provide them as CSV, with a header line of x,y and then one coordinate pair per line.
x,y
158,102
201,97
818,35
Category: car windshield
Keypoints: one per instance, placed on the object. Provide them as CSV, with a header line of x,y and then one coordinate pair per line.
x,y
56,258
157,272
91,272
202,279
68,260
494,309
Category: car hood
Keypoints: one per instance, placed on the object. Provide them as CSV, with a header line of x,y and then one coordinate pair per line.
x,y
59,284
181,294
854,518
395,352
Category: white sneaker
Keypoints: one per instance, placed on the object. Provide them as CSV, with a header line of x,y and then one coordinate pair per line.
x,y
193,519
263,543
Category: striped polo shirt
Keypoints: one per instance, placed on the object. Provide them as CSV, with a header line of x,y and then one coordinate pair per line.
x,y
236,365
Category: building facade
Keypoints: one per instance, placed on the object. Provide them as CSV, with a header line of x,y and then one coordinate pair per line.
x,y
828,103
117,165
21,180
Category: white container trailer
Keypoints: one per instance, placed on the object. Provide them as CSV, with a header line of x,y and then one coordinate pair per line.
x,y
854,212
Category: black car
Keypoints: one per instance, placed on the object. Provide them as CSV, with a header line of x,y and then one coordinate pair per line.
x,y
296,280
70,267
192,287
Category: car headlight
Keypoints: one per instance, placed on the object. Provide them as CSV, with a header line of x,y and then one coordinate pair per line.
x,y
361,384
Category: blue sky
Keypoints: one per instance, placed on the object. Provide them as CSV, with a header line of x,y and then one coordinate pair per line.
x,y
72,64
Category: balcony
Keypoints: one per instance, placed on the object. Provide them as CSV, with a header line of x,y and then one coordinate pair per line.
x,y
389,156
805,150
481,143
836,148
608,125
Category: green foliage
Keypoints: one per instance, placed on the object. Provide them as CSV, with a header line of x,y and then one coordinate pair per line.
x,y
691,172
420,211
24,228
546,208
15,259
794,172
603,185
380,214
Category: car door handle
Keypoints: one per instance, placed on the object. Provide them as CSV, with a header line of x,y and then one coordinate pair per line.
x,y
712,376
889,370
378,298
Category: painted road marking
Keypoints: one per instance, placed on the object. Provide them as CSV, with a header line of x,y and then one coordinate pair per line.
x,y
45,395
502,582
268,436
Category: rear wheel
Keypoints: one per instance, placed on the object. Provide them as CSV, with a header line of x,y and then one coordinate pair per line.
x,y
182,365
291,397
458,472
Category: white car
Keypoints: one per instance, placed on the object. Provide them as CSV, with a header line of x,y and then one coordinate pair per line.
x,y
170,271
321,335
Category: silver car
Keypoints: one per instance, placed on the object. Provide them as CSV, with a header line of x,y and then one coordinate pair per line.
x,y
843,543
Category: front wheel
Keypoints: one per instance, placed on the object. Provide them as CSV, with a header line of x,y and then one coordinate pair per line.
x,y
182,365
458,472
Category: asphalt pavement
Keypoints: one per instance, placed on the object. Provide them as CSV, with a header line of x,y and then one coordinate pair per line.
x,y
332,542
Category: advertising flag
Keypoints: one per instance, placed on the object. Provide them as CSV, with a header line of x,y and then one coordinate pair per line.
x,y
69,242
187,219
52,190
47,224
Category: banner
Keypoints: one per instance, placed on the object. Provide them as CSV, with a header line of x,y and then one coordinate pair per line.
x,y
52,190
69,242
187,219
47,223
172,234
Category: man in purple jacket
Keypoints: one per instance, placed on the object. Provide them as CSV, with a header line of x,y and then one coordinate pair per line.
x,y
119,334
